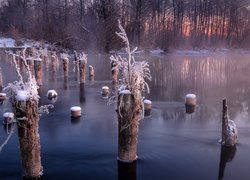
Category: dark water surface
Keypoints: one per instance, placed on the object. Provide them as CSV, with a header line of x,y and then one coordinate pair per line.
x,y
171,143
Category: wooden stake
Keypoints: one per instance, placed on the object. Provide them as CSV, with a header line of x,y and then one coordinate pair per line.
x,y
66,67
82,67
38,72
224,120
229,130
29,140
1,79
129,114
114,72
91,72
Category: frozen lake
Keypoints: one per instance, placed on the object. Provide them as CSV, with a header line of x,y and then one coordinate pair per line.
x,y
171,143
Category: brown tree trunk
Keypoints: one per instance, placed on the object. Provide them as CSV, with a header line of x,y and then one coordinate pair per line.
x,y
129,114
29,138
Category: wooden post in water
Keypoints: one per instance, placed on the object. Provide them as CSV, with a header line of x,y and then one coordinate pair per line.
x,y
229,130
114,71
224,120
66,67
91,72
82,67
29,140
1,79
129,113
38,72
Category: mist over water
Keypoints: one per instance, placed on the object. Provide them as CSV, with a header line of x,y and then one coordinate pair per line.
x,y
171,143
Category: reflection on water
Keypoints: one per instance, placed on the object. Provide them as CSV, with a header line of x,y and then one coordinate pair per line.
x,y
126,171
170,140
226,155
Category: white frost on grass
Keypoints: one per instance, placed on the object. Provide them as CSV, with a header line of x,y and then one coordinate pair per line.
x,y
25,83
7,42
157,52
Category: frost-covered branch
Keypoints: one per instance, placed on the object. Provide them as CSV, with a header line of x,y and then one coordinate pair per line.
x,y
134,74
7,139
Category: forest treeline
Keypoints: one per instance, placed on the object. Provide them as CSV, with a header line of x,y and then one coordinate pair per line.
x,y
148,23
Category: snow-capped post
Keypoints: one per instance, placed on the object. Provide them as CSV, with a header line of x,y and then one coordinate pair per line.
x,y
105,91
190,103
91,72
38,72
54,62
82,66
1,79
24,99
129,100
77,64
147,107
114,70
229,130
65,59
3,97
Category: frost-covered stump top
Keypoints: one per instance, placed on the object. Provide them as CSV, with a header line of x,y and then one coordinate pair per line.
x,y
8,117
22,95
147,104
51,93
190,99
3,96
105,91
75,111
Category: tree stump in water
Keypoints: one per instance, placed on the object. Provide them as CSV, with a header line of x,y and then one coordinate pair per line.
x,y
38,72
82,67
29,140
129,113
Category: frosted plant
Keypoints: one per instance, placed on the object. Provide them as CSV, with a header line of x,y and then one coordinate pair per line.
x,y
133,73
27,84
81,57
35,55
64,56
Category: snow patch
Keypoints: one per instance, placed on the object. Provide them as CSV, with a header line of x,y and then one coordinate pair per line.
x,y
105,88
51,93
125,92
146,101
22,95
3,95
8,115
190,96
7,42
75,108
